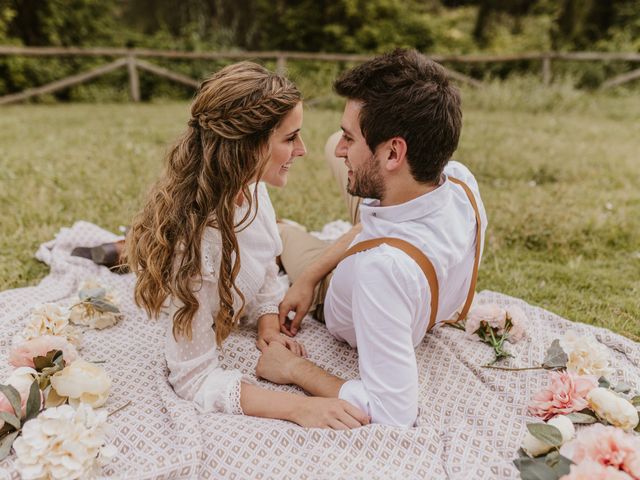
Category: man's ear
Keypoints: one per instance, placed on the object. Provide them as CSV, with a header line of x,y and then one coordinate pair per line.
x,y
396,153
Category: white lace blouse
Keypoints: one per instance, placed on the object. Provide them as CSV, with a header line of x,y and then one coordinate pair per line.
x,y
194,370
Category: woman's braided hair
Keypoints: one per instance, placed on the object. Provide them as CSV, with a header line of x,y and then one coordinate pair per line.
x,y
225,148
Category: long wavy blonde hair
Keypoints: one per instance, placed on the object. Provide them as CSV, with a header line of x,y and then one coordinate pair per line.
x,y
224,149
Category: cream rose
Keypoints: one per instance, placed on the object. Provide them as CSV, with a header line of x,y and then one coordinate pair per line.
x,y
534,447
88,316
586,356
82,382
616,410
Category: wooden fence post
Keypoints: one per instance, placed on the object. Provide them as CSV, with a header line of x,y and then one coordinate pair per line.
x,y
546,70
281,65
134,80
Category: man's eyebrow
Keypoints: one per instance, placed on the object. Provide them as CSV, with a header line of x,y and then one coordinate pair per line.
x,y
345,130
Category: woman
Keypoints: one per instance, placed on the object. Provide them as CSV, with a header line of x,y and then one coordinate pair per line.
x,y
207,241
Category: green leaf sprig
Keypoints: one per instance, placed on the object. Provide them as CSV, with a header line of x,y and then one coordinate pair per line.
x,y
13,422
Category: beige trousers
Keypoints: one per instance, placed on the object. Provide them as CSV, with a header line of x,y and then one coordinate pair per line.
x,y
299,248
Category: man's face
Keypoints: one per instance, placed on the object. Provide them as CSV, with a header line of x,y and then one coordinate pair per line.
x,y
365,174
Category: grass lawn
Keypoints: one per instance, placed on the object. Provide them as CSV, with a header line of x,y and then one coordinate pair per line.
x,y
559,173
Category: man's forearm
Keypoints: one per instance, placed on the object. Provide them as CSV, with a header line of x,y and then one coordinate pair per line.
x,y
330,258
315,380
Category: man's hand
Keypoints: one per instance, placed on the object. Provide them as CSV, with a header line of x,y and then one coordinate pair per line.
x,y
274,336
277,363
297,299
317,412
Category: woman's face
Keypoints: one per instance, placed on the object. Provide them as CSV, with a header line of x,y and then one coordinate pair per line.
x,y
286,144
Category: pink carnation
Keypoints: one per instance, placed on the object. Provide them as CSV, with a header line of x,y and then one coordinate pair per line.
x,y
518,322
491,314
609,447
590,470
22,354
567,393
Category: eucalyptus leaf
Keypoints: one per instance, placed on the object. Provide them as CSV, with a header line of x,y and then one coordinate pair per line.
x,y
534,469
555,357
635,401
559,463
11,419
5,444
603,383
103,305
92,293
14,398
582,418
34,402
546,433
622,388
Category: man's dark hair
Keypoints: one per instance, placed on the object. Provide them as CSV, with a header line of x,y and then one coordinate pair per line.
x,y
407,95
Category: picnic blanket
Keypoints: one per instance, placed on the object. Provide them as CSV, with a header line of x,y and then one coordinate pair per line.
x,y
471,423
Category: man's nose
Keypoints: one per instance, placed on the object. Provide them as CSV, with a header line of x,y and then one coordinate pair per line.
x,y
341,148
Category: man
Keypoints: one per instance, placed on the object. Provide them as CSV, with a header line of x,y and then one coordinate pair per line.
x,y
400,127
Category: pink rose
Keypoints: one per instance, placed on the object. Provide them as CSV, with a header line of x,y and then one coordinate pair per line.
x,y
491,314
567,393
518,321
607,446
590,470
22,355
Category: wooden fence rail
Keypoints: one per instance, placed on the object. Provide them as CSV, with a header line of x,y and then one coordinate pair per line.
x,y
131,59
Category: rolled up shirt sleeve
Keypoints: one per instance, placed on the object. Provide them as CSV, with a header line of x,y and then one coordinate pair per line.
x,y
269,296
383,302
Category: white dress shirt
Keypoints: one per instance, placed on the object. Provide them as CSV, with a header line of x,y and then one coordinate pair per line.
x,y
194,370
379,300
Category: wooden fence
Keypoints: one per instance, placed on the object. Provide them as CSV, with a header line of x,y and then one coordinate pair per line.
x,y
132,60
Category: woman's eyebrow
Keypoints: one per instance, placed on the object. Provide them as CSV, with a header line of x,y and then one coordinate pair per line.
x,y
293,133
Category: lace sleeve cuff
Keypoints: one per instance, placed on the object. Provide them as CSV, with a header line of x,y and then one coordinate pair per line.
x,y
221,392
266,309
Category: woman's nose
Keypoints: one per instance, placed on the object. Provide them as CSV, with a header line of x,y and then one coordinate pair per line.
x,y
301,149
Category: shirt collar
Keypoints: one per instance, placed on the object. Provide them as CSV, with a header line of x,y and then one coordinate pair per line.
x,y
413,209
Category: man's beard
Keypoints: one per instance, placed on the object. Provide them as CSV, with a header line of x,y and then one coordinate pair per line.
x,y
367,181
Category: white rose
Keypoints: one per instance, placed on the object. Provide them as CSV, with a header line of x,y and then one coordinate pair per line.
x,y
534,447
82,382
20,379
586,356
616,410
63,443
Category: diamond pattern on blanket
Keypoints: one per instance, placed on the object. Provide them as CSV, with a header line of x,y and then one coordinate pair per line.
x,y
471,422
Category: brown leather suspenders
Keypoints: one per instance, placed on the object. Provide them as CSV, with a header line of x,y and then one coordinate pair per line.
x,y
425,264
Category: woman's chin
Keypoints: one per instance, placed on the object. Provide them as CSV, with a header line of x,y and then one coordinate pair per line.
x,y
278,181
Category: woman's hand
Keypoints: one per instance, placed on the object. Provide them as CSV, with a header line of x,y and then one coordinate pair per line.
x,y
271,336
318,412
297,299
